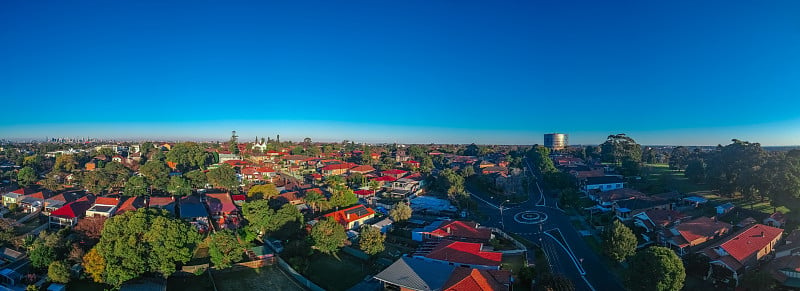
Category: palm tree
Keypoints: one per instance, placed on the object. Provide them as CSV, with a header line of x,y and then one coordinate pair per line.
x,y
314,199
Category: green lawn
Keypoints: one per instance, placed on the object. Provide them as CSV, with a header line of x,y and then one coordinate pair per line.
x,y
658,178
512,263
262,279
331,273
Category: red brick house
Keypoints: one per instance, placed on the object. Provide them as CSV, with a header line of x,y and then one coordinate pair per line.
x,y
731,258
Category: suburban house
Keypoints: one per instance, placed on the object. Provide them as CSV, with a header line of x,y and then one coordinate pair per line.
x,y
411,164
193,210
790,245
458,253
34,202
68,215
415,274
53,203
688,234
656,220
166,203
363,169
384,225
776,219
239,199
731,258
14,196
353,217
103,206
363,193
724,208
604,183
223,210
606,199
408,273
336,169
394,173
453,230
625,209
132,204
785,270
292,197
407,184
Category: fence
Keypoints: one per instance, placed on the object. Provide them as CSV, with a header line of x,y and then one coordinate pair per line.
x,y
518,244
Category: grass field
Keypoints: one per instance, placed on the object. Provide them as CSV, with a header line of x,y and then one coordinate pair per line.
x,y
658,178
262,279
334,274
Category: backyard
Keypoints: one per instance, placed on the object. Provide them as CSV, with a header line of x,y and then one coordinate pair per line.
x,y
261,279
333,273
659,178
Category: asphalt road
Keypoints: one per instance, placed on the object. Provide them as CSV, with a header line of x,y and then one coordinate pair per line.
x,y
527,220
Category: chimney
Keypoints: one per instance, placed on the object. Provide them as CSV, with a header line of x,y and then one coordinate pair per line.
x,y
448,229
762,233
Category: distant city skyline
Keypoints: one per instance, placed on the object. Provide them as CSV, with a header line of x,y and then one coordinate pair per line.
x,y
665,73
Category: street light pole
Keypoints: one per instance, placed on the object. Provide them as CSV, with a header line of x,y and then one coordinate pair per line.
x,y
502,219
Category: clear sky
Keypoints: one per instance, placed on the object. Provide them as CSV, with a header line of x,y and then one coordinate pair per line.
x,y
665,72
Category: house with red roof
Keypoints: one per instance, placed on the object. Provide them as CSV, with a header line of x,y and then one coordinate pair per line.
x,y
132,204
166,203
103,206
13,197
363,169
291,197
411,164
688,234
364,193
394,173
53,203
352,217
68,215
34,202
239,199
453,230
460,253
223,210
336,169
463,279
733,256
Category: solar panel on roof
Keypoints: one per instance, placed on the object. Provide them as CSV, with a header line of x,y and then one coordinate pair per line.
x,y
360,211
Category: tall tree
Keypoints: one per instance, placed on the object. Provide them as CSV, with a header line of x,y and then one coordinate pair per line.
x,y
136,186
265,191
732,168
58,272
233,144
540,159
679,158
26,176
620,147
400,212
342,196
197,178
619,242
179,186
66,163
328,236
262,219
90,229
95,265
156,174
656,268
223,176
225,249
145,240
371,240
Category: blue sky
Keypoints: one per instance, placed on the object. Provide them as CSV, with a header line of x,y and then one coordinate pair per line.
x,y
665,72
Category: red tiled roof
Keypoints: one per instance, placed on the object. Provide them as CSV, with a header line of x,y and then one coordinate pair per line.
x,y
343,218
74,209
336,167
106,201
131,204
40,195
364,192
238,197
464,253
161,201
457,228
249,171
394,172
220,202
664,217
23,191
701,227
314,190
291,196
385,179
363,169
750,241
468,279
265,170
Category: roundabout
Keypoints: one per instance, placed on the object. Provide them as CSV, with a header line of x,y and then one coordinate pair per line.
x,y
530,217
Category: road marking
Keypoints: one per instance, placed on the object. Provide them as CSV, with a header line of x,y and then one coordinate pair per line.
x,y
530,217
567,249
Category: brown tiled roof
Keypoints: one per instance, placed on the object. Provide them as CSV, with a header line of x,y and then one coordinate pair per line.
x,y
701,227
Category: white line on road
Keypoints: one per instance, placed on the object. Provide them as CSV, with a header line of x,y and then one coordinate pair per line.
x,y
569,251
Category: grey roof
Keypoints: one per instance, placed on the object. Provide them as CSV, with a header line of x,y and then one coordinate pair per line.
x,y
416,274
12,195
191,207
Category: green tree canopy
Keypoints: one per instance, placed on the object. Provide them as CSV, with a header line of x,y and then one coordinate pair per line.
x,y
59,272
225,249
262,219
342,196
145,240
265,191
223,176
400,212
656,268
26,176
328,236
620,147
136,186
539,157
179,186
371,240
156,174
188,156
619,242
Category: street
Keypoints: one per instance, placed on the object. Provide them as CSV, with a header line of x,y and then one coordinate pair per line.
x,y
540,214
